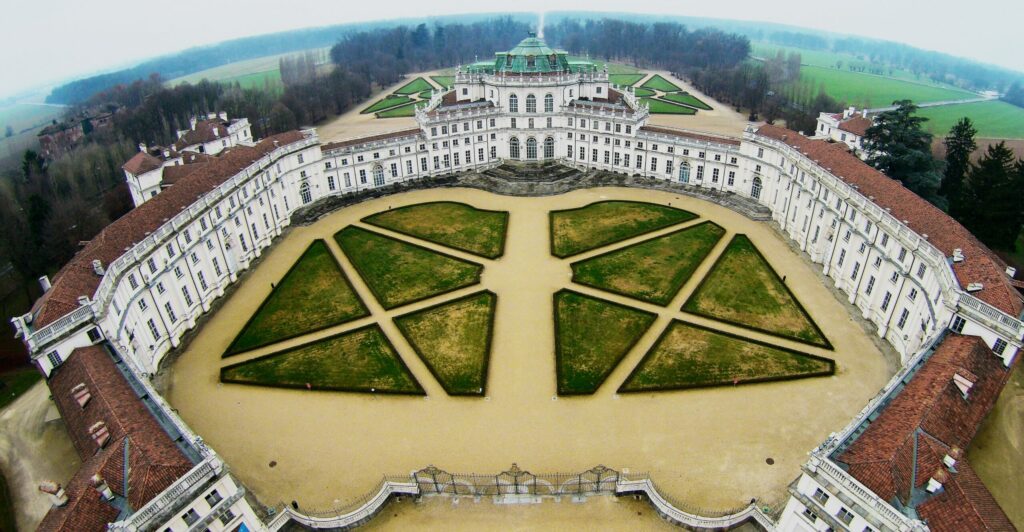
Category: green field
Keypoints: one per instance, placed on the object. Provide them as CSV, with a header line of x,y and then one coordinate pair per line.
x,y
743,289
386,103
425,95
993,119
691,356
446,82
312,295
641,92
362,360
574,231
402,111
398,272
625,80
667,108
454,341
828,59
414,86
653,270
868,91
613,68
686,98
591,337
448,223
659,83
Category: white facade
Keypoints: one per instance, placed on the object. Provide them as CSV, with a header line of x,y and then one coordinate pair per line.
x,y
155,292
836,127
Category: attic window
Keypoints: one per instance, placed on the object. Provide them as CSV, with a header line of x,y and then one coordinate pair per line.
x,y
81,394
100,434
963,383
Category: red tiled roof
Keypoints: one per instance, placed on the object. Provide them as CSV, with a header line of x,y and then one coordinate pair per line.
x,y
857,124
945,233
154,461
690,135
205,131
141,163
77,277
928,418
363,140
964,505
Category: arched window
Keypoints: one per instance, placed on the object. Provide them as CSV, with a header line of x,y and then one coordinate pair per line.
x,y
378,175
549,148
549,103
513,103
305,194
755,189
531,148
531,103
513,148
684,172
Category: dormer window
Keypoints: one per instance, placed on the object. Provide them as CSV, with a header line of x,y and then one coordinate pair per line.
x,y
962,383
81,394
100,434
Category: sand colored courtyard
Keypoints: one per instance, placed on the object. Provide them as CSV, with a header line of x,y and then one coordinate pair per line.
x,y
706,447
722,119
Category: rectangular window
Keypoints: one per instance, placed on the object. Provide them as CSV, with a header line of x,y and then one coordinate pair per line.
x,y
170,249
152,329
903,319
885,300
920,271
191,516
213,498
871,285
999,346
143,305
152,265
842,257
170,312
958,324
714,175
160,288
856,270
132,281
216,266
732,178
186,295
912,295
820,496
331,184
844,515
903,254
202,280
885,239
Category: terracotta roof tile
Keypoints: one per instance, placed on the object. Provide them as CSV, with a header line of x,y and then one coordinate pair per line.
x,y
155,461
857,124
77,277
205,131
141,163
945,233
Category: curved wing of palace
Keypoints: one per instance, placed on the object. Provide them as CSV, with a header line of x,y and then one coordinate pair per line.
x,y
209,205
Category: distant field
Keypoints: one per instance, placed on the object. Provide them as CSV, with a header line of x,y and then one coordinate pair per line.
x,y
252,73
26,119
613,68
866,90
991,119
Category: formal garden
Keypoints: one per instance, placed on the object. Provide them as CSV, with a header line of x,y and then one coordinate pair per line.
x,y
630,263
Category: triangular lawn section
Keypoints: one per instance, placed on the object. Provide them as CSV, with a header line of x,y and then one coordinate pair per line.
x,y
454,340
448,223
399,272
313,295
591,338
362,360
574,231
744,290
691,356
659,83
653,270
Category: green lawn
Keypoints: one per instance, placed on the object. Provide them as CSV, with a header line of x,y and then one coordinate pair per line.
x,y
591,337
661,107
625,80
14,383
402,111
691,356
445,82
743,289
425,95
993,119
574,231
653,270
414,86
866,90
660,84
456,225
399,272
828,59
386,103
314,294
454,341
641,92
362,360
686,98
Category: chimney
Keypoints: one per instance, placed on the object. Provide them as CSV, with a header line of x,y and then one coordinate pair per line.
x,y
935,483
192,123
143,148
44,282
1011,272
97,267
83,300
958,255
975,287
101,487
223,115
58,497
216,132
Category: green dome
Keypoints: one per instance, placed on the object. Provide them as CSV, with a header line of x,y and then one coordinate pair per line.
x,y
532,55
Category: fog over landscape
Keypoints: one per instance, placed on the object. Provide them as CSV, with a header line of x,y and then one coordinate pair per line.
x,y
67,39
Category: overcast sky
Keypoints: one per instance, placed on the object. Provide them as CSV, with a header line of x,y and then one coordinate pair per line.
x,y
44,41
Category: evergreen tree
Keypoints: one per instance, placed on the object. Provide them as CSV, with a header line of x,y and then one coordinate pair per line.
x,y
901,149
960,145
993,193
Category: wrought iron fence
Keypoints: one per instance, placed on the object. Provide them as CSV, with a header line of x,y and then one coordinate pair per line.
x,y
516,481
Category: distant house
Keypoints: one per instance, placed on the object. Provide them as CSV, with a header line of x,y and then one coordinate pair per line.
x,y
59,138
847,127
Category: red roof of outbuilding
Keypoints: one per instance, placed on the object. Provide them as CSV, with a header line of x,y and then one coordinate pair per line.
x,y
141,163
945,233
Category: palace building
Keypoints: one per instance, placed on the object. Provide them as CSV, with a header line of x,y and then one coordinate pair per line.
x,y
212,203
